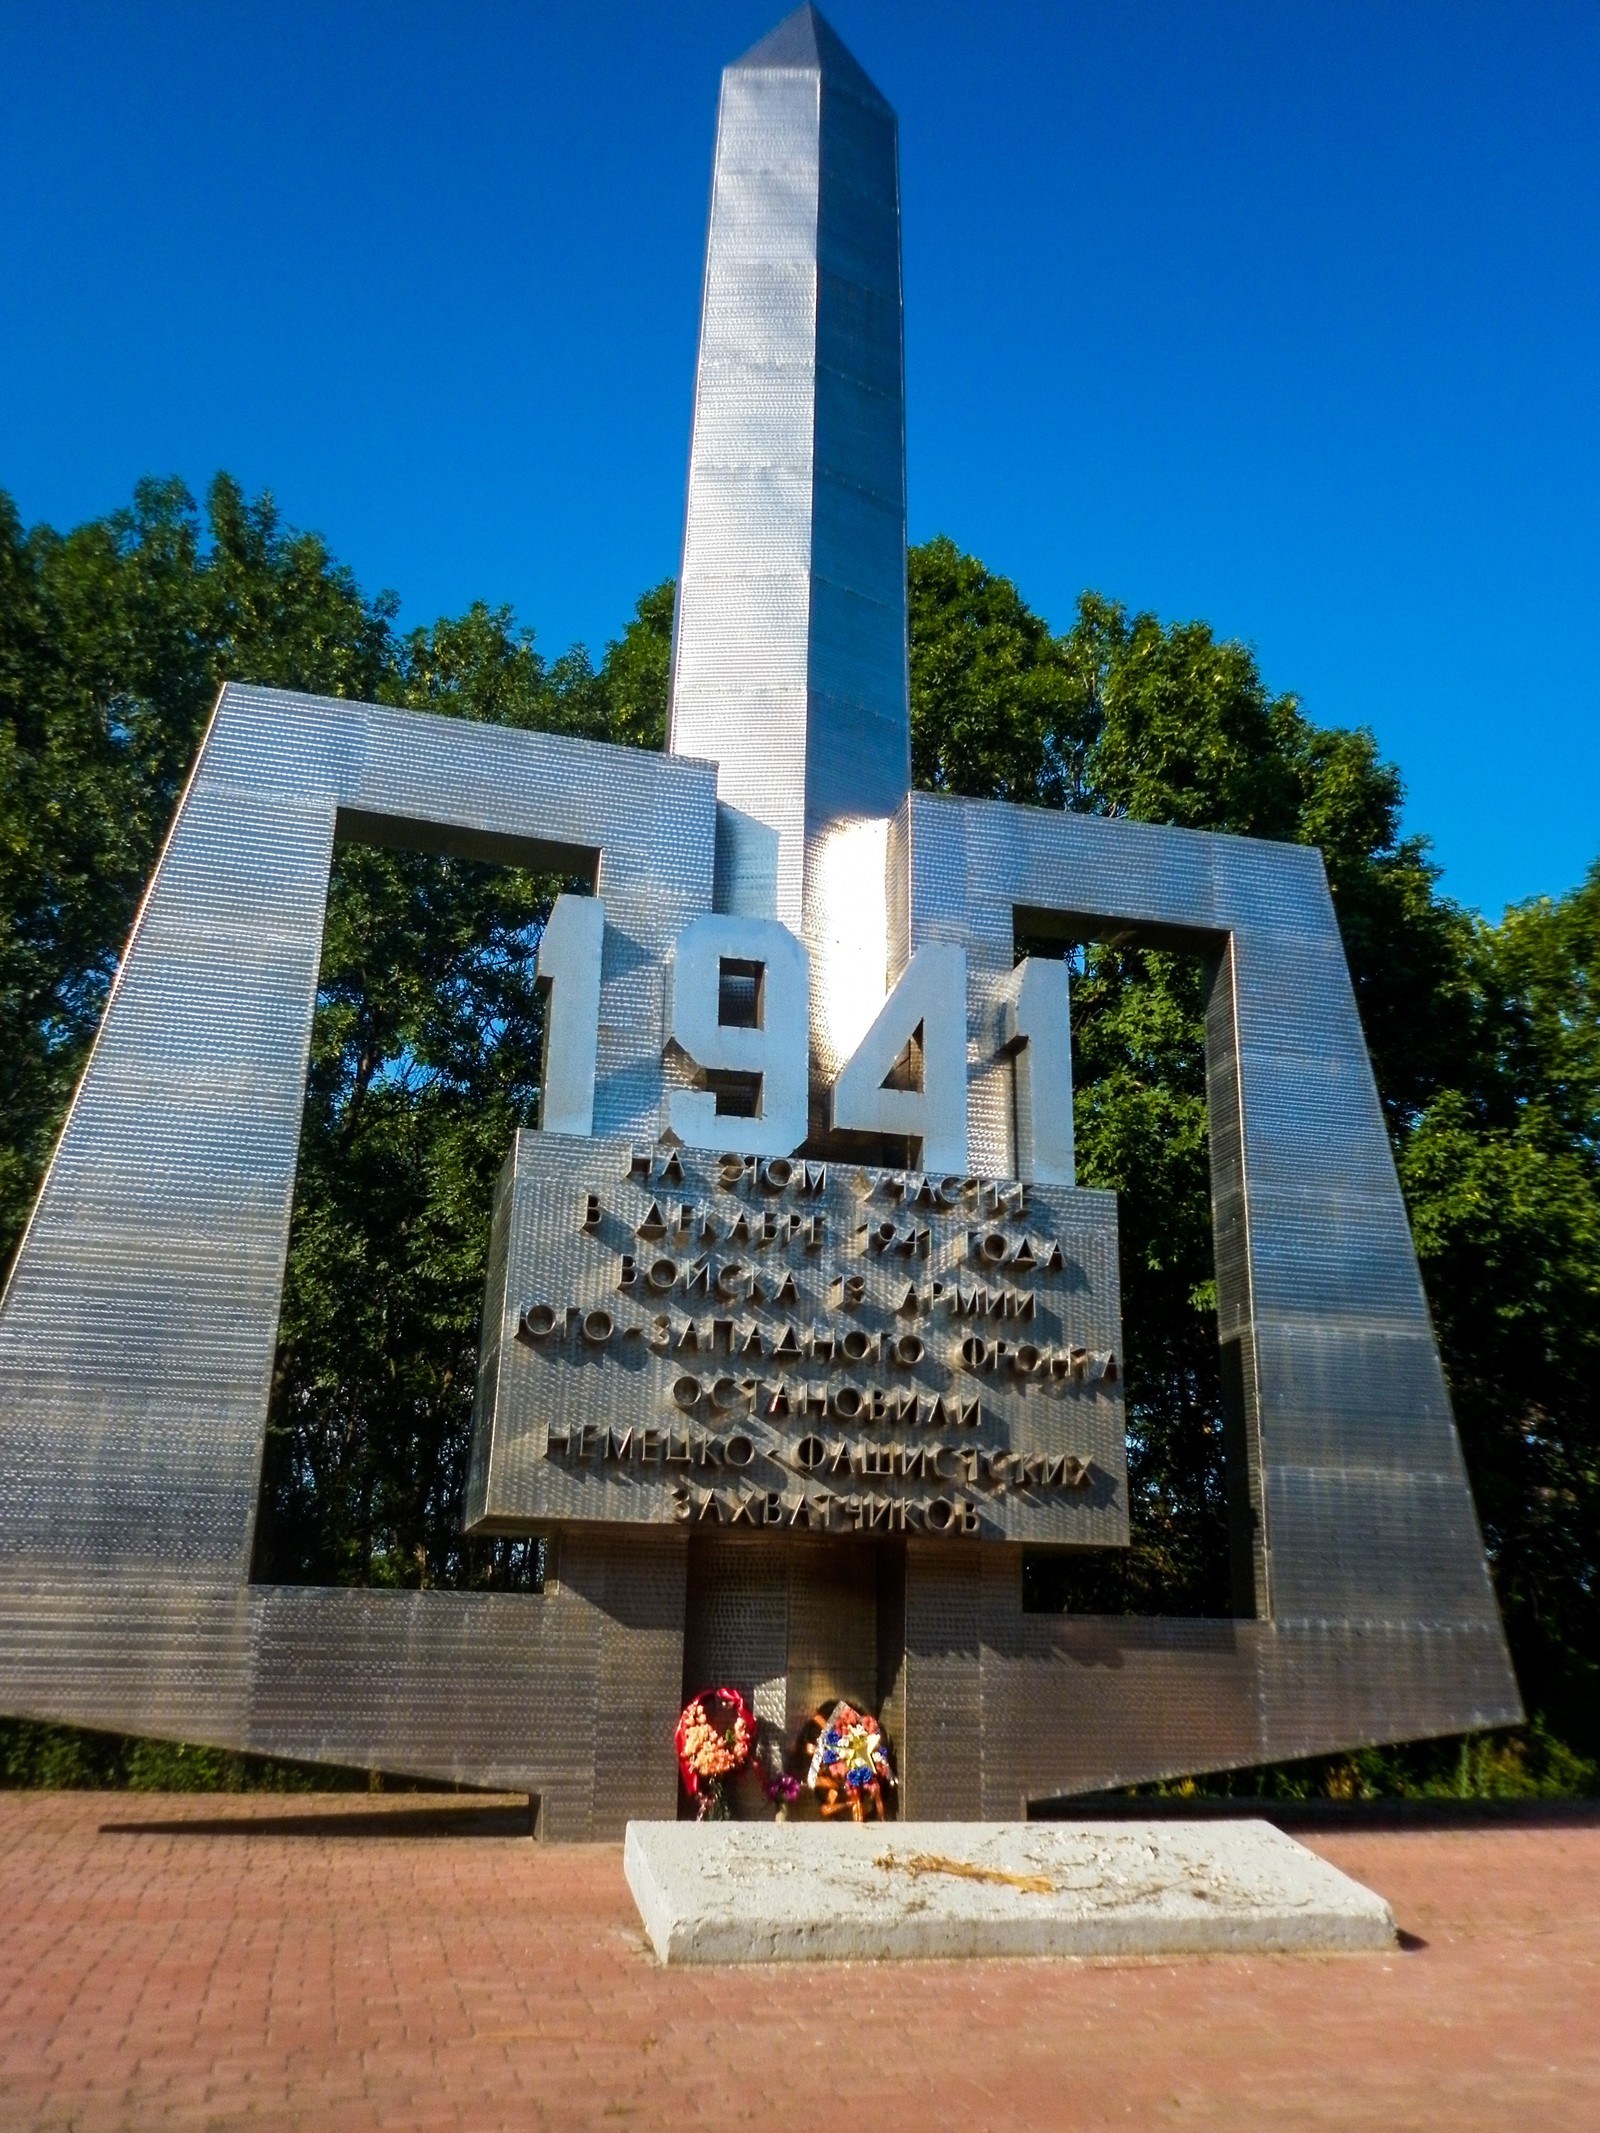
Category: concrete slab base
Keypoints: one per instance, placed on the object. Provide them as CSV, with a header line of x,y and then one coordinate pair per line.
x,y
730,1892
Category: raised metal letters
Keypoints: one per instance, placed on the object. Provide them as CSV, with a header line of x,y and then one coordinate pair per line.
x,y
1036,1029
773,1300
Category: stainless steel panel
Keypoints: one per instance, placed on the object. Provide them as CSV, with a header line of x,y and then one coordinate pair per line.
x,y
1355,1518
138,1328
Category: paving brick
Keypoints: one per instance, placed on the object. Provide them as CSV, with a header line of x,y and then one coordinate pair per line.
x,y
161,1976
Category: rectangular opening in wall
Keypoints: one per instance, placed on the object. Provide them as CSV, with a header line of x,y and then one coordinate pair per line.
x,y
1141,1128
741,993
737,1095
425,1058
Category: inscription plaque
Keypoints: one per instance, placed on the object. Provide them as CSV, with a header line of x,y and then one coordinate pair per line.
x,y
685,1337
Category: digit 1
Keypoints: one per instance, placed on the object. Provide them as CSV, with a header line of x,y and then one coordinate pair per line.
x,y
569,971
1037,1029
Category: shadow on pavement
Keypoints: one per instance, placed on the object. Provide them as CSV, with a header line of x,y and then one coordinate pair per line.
x,y
501,1818
1327,1814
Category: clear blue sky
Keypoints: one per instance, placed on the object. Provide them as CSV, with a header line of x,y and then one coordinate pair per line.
x,y
1281,315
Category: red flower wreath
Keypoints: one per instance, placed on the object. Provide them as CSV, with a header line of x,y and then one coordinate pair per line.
x,y
715,1735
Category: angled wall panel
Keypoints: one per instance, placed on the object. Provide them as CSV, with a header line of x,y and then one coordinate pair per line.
x,y
1367,1609
139,1325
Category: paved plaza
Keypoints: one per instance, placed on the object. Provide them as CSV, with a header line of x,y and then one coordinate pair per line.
x,y
403,1961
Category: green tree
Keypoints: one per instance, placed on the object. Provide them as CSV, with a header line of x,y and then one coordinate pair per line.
x,y
636,675
114,640
1502,1176
997,710
1182,731
425,1059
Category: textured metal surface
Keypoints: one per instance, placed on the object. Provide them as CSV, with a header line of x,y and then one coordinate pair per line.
x,y
790,660
137,1332
1361,1509
670,1337
1066,1704
1357,1549
139,1325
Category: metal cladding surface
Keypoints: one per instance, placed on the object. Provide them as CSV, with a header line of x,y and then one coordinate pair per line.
x,y
789,667
139,1325
1365,1607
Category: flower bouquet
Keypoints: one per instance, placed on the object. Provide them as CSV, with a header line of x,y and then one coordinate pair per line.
x,y
849,1764
782,1790
714,1738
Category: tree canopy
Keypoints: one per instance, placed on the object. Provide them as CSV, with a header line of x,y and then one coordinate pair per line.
x,y
113,641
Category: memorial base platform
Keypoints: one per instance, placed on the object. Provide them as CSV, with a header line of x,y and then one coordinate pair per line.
x,y
728,1892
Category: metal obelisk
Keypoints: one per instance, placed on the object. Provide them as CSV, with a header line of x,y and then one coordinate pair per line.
x,y
789,669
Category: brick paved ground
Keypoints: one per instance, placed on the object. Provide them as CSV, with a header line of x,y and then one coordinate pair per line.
x,y
257,1975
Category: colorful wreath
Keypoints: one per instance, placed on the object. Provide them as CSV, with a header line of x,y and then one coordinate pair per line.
x,y
850,1764
714,1738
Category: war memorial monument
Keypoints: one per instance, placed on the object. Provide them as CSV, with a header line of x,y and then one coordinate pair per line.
x,y
798,1328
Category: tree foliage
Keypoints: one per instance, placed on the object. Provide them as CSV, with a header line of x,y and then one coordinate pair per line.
x,y
114,639
425,1056
1502,1177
